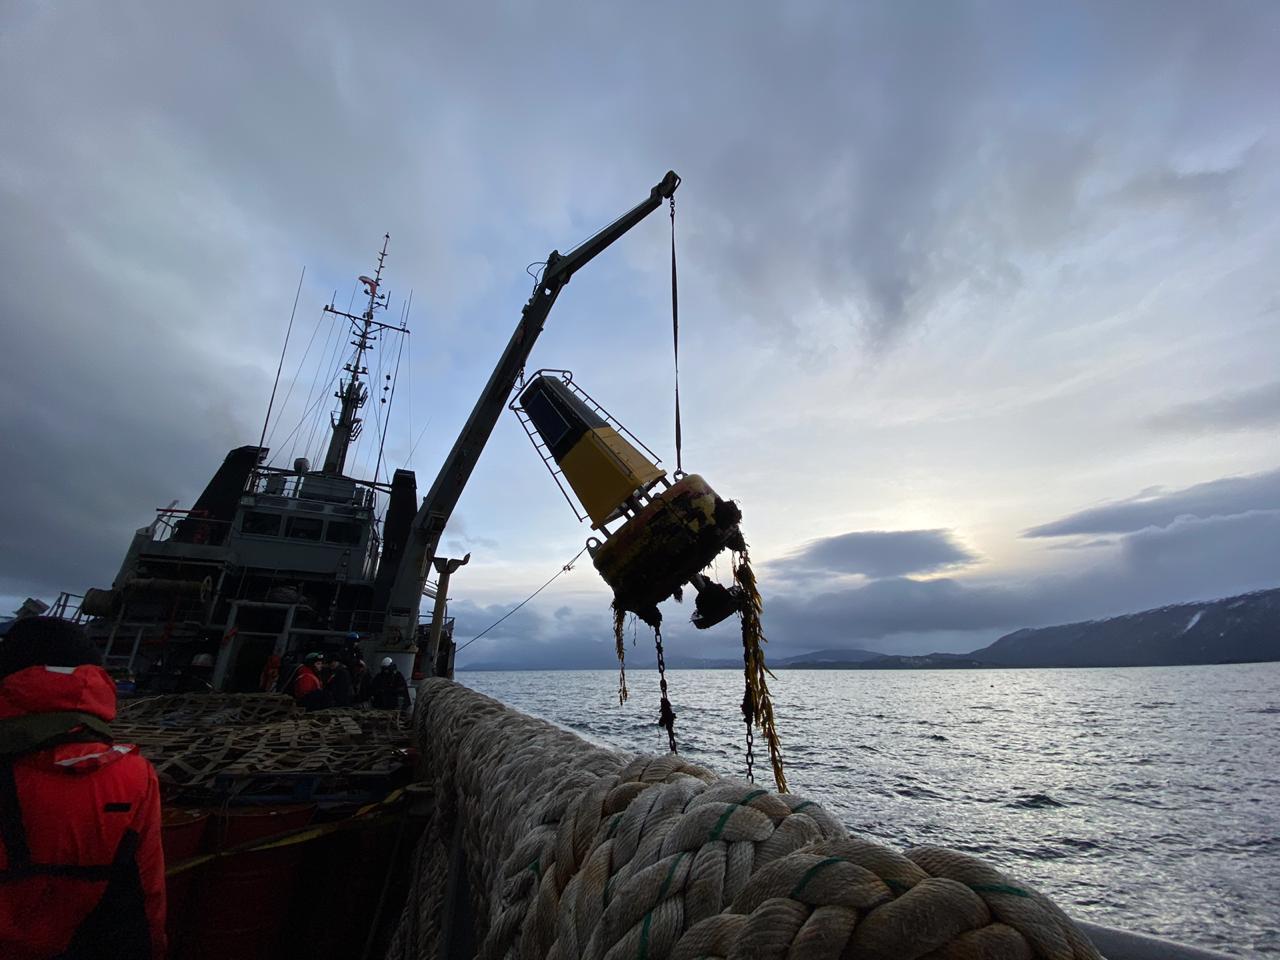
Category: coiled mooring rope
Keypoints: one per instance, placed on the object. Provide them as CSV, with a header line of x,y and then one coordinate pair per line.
x,y
572,850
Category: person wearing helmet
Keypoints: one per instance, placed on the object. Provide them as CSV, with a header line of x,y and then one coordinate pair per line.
x,y
389,689
307,687
83,869
198,676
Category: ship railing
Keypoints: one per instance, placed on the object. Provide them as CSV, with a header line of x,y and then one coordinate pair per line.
x,y
364,621
276,484
425,623
189,526
289,486
67,607
372,621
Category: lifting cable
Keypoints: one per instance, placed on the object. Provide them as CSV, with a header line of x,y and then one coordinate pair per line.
x,y
565,569
280,366
757,704
675,332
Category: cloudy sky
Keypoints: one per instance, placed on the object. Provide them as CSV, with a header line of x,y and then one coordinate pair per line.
x,y
979,301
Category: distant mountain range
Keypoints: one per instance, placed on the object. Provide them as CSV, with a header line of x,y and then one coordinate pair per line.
x,y
816,660
822,658
1241,629
883,661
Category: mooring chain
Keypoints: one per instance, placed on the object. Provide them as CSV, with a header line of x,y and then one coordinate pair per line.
x,y
666,716
749,715
619,619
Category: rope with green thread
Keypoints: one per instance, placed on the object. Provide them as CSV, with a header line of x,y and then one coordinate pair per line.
x,y
648,917
537,799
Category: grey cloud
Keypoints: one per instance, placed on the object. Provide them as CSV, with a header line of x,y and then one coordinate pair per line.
x,y
1190,559
1198,556
1159,508
458,538
1083,544
1250,409
927,177
1211,540
1161,186
100,424
867,162
876,554
534,638
884,608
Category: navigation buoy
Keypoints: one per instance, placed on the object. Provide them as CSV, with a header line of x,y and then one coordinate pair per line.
x,y
654,536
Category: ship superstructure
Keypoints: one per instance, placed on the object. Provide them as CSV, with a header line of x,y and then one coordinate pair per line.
x,y
271,562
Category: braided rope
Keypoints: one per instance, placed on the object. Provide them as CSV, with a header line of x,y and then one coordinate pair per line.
x,y
574,850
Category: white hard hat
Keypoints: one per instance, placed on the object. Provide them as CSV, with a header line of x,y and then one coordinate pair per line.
x,y
388,662
202,660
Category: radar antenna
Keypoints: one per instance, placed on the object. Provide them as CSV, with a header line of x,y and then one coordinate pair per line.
x,y
352,391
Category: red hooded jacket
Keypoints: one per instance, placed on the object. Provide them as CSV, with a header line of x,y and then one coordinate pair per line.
x,y
81,870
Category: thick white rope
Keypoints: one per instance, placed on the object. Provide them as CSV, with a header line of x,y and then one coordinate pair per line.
x,y
573,850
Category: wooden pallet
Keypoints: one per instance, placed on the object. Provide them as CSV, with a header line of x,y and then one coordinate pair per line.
x,y
188,710
204,744
319,758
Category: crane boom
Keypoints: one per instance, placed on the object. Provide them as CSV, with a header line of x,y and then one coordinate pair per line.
x,y
429,522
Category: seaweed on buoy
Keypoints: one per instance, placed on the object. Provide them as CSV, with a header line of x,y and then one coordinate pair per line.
x,y
757,703
656,536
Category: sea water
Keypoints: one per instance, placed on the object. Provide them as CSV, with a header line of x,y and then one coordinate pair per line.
x,y
1143,798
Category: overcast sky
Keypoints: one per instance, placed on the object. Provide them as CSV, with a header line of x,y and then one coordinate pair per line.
x,y
978,301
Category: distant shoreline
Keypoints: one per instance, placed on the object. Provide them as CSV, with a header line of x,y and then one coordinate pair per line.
x,y
863,668
1231,630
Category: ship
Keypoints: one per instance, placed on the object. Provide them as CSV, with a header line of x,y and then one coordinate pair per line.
x,y
272,562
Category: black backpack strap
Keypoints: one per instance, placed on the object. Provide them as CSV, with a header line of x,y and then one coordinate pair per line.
x,y
12,832
118,926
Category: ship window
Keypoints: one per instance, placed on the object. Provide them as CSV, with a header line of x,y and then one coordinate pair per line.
x,y
304,528
261,524
339,531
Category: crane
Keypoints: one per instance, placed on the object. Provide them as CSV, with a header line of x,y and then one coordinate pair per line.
x,y
428,524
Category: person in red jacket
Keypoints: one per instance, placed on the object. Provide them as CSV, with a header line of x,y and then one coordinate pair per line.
x,y
307,687
81,869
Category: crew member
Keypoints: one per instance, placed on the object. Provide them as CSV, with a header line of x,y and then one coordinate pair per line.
x,y
270,675
389,690
307,687
81,867
361,685
337,682
351,650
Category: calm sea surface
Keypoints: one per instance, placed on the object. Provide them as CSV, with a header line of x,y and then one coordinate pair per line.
x,y
1143,798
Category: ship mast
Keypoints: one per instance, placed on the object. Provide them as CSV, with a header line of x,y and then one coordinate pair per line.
x,y
352,391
